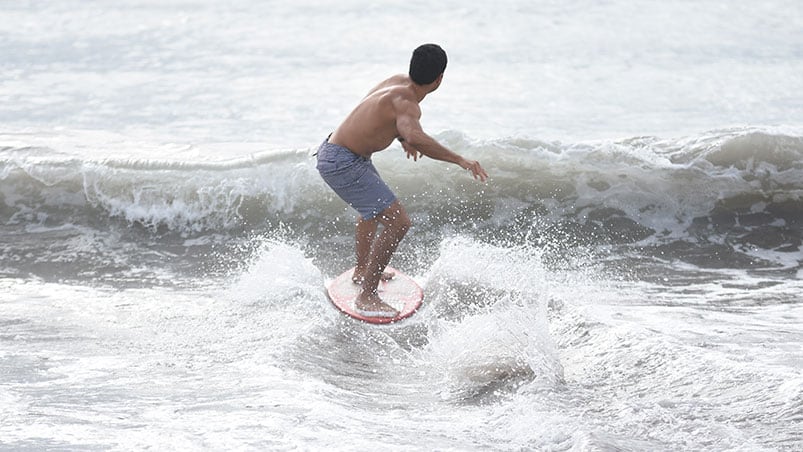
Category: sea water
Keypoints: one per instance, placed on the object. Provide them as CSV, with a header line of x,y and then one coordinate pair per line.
x,y
628,279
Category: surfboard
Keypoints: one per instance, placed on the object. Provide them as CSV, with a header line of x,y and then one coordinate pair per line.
x,y
401,292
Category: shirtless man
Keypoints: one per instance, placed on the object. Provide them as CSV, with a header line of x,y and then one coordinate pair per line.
x,y
390,111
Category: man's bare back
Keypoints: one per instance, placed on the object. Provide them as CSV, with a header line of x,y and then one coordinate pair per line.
x,y
371,126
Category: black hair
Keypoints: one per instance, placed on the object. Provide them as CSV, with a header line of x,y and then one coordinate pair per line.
x,y
427,64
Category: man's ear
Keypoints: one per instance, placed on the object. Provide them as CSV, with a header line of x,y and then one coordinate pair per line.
x,y
437,82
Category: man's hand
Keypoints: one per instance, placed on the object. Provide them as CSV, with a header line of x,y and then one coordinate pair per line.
x,y
475,168
411,150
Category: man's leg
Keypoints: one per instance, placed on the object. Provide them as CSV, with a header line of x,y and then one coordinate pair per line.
x,y
396,224
364,241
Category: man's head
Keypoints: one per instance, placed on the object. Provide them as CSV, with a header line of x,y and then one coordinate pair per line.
x,y
427,64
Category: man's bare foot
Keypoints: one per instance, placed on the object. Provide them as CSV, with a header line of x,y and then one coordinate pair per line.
x,y
370,305
357,278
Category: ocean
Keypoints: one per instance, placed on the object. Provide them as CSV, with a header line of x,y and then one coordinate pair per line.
x,y
628,279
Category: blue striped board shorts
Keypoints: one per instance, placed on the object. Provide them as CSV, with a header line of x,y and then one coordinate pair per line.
x,y
355,179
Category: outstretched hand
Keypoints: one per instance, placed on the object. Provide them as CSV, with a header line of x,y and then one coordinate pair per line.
x,y
476,169
472,165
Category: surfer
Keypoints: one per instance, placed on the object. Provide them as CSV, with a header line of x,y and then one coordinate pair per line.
x,y
389,111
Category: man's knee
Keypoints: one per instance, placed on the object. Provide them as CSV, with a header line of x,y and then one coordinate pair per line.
x,y
400,223
395,217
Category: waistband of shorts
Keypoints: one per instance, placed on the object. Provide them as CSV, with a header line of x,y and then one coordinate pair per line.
x,y
326,145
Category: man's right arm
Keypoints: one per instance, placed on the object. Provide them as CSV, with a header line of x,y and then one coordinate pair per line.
x,y
409,128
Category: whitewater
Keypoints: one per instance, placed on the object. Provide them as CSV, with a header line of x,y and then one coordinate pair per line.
x,y
629,278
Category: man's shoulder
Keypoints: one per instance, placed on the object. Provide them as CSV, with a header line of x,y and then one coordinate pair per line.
x,y
395,91
394,96
390,83
400,89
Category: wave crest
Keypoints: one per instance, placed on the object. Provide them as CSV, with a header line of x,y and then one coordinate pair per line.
x,y
741,183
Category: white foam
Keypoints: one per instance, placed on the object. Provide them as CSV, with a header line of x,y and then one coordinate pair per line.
x,y
500,333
